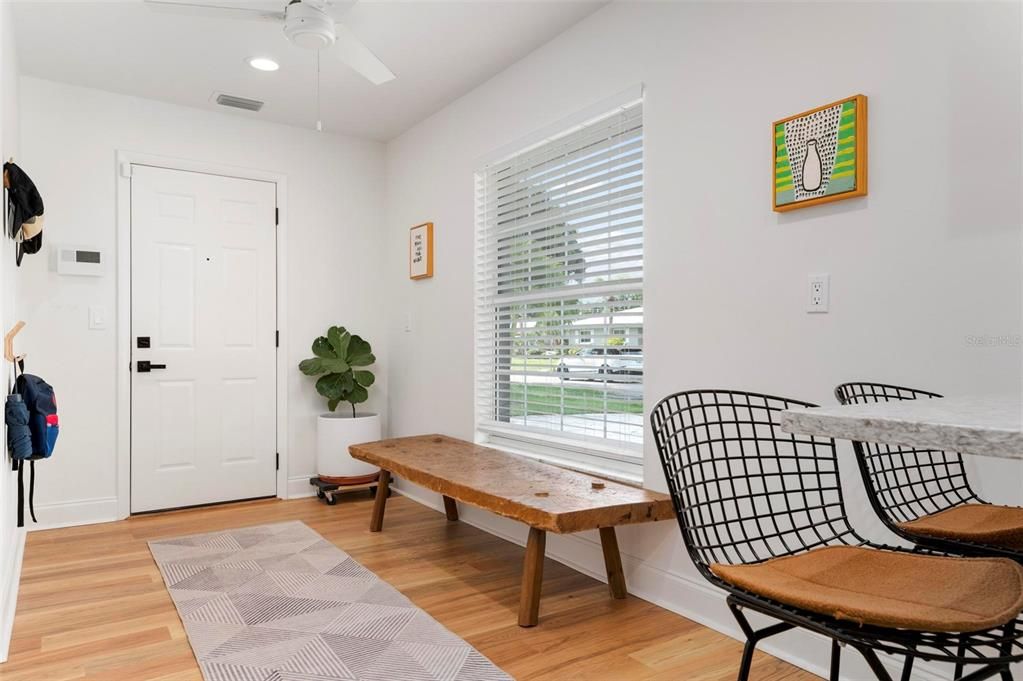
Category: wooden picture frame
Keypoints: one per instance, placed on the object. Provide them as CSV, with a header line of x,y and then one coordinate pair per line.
x,y
420,251
820,155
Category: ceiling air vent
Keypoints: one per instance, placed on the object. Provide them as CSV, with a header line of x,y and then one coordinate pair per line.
x,y
239,102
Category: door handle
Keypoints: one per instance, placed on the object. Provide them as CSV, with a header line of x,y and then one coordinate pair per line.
x,y
145,366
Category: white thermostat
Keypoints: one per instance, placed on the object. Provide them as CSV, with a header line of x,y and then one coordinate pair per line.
x,y
74,260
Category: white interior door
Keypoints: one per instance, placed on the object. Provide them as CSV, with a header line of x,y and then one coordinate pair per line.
x,y
203,298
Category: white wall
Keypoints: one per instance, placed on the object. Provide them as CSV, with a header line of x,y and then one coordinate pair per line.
x,y
12,540
69,139
931,257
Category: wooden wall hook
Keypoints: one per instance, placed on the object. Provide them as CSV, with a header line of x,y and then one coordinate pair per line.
x,y
9,341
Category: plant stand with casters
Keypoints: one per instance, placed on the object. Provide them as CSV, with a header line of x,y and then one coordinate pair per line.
x,y
330,491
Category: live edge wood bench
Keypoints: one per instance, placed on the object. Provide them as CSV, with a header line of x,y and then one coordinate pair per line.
x,y
545,497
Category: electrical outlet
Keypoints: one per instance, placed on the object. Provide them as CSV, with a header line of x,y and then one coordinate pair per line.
x,y
819,292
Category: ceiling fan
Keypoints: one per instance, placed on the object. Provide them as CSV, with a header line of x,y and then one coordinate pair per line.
x,y
310,24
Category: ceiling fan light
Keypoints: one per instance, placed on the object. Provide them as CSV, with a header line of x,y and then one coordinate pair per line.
x,y
312,40
263,64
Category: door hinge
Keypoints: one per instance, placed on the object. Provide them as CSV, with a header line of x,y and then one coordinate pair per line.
x,y
278,464
277,338
277,216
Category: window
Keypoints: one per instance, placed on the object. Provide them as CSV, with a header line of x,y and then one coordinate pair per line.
x,y
559,295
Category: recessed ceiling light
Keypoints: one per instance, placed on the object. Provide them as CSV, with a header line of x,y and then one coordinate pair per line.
x,y
263,64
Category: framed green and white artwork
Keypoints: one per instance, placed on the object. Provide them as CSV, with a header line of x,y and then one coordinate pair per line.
x,y
820,155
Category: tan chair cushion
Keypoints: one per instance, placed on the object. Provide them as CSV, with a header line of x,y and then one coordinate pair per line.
x,y
981,523
888,588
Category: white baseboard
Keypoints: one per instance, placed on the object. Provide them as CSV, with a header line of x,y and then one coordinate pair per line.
x,y
682,594
11,570
299,487
104,509
72,513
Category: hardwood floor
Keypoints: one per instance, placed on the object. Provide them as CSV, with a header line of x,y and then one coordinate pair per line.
x,y
92,604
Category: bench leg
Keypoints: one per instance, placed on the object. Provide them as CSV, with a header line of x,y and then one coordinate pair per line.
x,y
613,562
532,578
376,521
450,509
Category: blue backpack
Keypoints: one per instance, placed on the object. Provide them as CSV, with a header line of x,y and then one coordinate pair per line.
x,y
32,428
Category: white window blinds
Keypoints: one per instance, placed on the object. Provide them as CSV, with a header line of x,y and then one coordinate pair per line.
x,y
559,290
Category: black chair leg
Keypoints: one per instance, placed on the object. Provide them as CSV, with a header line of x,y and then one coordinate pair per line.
x,y
747,660
875,664
1006,650
836,660
753,636
961,654
751,640
907,669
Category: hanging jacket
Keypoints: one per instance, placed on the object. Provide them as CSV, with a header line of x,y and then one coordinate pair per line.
x,y
25,210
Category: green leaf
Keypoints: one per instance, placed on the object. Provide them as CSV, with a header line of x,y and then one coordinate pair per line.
x,y
330,386
321,365
358,395
339,339
312,367
332,404
363,360
335,366
347,382
323,348
365,378
360,354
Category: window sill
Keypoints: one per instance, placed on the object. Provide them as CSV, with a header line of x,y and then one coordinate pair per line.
x,y
623,474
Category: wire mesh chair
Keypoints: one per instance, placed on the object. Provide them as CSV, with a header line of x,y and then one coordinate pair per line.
x,y
745,492
905,484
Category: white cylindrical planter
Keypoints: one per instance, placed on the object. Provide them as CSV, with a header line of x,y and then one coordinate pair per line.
x,y
334,433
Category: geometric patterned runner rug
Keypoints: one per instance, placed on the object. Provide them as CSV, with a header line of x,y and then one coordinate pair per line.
x,y
280,603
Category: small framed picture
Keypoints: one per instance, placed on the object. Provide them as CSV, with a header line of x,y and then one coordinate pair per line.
x,y
820,155
420,251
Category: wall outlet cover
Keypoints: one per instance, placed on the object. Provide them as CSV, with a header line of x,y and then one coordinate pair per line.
x,y
818,292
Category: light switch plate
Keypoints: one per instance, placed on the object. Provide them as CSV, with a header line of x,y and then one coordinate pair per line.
x,y
97,317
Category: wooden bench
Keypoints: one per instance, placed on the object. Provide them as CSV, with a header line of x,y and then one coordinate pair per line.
x,y
545,497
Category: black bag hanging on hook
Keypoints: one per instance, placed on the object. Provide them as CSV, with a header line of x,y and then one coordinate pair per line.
x,y
25,211
32,429
19,444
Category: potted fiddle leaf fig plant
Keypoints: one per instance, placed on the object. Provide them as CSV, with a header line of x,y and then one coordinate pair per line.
x,y
340,364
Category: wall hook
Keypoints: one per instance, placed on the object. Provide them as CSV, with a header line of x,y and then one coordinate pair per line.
x,y
9,342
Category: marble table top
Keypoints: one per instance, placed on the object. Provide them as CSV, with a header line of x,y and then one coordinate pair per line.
x,y
985,425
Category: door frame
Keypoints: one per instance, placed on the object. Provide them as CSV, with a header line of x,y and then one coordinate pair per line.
x,y
122,170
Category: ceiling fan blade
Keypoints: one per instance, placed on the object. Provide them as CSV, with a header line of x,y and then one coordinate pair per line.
x,y
335,8
260,10
352,52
